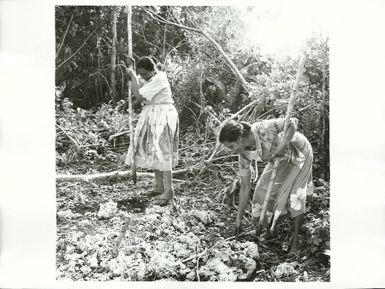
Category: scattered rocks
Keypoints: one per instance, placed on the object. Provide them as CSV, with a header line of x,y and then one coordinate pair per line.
x,y
163,265
67,215
93,260
190,239
203,216
285,269
130,267
250,267
107,210
86,224
155,244
216,270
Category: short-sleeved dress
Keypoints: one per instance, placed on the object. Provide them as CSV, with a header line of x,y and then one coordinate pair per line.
x,y
157,130
293,180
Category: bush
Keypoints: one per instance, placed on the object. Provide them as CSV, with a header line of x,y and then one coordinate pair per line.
x,y
84,134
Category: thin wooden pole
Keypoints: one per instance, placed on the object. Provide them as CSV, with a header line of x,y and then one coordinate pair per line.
x,y
130,110
289,111
115,13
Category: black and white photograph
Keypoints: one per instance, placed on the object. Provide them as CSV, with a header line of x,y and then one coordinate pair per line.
x,y
197,143
186,150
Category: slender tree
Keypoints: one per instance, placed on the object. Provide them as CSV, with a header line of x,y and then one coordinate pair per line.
x,y
115,14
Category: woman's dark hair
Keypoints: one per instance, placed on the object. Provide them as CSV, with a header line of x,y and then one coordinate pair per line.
x,y
147,63
232,130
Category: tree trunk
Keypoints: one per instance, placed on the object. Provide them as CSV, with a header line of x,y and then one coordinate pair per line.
x,y
164,44
115,13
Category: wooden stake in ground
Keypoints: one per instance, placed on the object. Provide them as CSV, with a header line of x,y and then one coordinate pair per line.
x,y
130,110
290,106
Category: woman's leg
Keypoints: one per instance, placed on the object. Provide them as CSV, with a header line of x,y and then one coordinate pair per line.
x,y
159,187
168,193
167,182
298,222
268,234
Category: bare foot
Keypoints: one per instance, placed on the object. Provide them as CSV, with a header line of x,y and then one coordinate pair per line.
x,y
268,235
163,199
152,193
297,244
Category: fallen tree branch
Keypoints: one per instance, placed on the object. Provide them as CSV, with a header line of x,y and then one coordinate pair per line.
x,y
110,175
123,174
96,177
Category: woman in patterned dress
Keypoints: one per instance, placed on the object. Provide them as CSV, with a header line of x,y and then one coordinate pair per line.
x,y
264,141
157,130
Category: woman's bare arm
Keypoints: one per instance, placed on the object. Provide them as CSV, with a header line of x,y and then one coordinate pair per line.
x,y
243,198
135,85
288,136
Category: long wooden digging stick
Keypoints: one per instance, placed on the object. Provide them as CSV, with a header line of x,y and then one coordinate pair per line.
x,y
130,110
289,110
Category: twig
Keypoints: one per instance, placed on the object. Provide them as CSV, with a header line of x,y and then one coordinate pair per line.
x,y
173,48
199,255
160,252
208,112
122,233
64,37
243,109
72,139
216,243
218,147
76,52
118,134
104,78
197,261
188,147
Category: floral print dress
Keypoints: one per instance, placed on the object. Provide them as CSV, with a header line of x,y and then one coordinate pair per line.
x,y
293,180
157,130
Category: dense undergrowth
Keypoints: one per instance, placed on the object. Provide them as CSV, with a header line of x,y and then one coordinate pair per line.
x,y
186,240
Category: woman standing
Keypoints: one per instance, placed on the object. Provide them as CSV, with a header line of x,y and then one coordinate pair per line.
x,y
263,141
157,130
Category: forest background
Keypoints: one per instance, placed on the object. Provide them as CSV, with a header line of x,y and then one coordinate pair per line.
x,y
91,80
